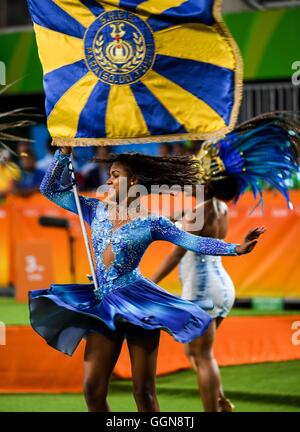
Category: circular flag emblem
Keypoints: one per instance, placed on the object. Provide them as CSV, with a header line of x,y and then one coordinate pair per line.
x,y
119,47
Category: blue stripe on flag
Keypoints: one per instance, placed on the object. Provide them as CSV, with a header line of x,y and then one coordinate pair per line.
x,y
131,4
158,119
92,117
191,11
47,14
212,84
93,6
157,24
57,82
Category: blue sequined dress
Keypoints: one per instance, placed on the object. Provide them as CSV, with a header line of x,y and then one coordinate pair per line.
x,y
64,314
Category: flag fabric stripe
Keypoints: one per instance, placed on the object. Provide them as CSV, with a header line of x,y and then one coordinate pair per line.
x,y
153,111
193,11
110,4
161,23
209,90
64,117
93,6
77,9
59,81
188,38
47,14
158,7
196,116
57,49
93,116
201,10
123,113
139,69
180,16
132,4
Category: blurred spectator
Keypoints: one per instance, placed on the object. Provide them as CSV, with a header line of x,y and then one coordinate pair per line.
x,y
23,147
195,146
165,149
42,164
96,173
31,177
9,174
179,149
82,157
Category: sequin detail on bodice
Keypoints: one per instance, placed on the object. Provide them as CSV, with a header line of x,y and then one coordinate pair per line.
x,y
128,242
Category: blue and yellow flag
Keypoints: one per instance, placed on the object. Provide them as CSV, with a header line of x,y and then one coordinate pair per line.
x,y
129,71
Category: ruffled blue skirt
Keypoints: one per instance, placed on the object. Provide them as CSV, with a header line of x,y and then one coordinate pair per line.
x,y
64,314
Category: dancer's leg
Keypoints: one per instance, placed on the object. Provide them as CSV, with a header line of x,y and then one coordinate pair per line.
x,y
225,404
219,321
101,354
200,352
143,350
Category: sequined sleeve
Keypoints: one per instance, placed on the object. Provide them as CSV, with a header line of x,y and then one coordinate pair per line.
x,y
163,229
55,187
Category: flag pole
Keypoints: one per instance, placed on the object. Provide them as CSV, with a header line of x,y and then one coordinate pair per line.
x,y
82,225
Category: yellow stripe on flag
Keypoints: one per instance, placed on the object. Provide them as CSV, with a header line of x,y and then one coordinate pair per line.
x,y
77,10
159,6
197,42
63,120
114,4
57,49
186,108
124,117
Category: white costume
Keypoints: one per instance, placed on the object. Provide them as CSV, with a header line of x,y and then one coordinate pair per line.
x,y
206,282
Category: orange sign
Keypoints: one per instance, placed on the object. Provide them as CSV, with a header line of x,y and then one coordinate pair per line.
x,y
271,270
5,245
34,264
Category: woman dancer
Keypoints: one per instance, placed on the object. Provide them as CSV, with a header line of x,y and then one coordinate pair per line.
x,y
205,281
265,148
128,304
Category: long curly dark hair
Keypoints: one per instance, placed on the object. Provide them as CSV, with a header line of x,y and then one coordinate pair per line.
x,y
157,170
226,189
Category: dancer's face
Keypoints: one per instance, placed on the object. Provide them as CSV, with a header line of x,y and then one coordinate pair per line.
x,y
119,180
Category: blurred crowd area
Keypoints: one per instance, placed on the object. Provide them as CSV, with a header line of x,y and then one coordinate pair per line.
x,y
22,171
21,174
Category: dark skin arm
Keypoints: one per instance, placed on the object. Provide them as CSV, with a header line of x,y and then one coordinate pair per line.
x,y
250,241
172,260
66,150
25,192
169,263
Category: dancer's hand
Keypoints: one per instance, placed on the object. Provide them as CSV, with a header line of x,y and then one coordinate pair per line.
x,y
255,233
250,241
66,150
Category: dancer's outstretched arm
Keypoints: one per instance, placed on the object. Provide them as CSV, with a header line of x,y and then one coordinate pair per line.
x,y
163,229
168,264
55,187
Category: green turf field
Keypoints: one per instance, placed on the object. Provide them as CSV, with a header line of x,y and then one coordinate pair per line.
x,y
262,387
265,387
12,312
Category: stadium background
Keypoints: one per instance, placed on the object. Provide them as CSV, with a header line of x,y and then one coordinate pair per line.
x,y
267,282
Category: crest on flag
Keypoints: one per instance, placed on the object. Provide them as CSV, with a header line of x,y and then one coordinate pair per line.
x,y
130,71
119,47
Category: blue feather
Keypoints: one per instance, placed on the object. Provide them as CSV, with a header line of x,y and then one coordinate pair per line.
x,y
263,154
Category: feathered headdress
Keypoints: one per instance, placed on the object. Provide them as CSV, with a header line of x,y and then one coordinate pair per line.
x,y
263,149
